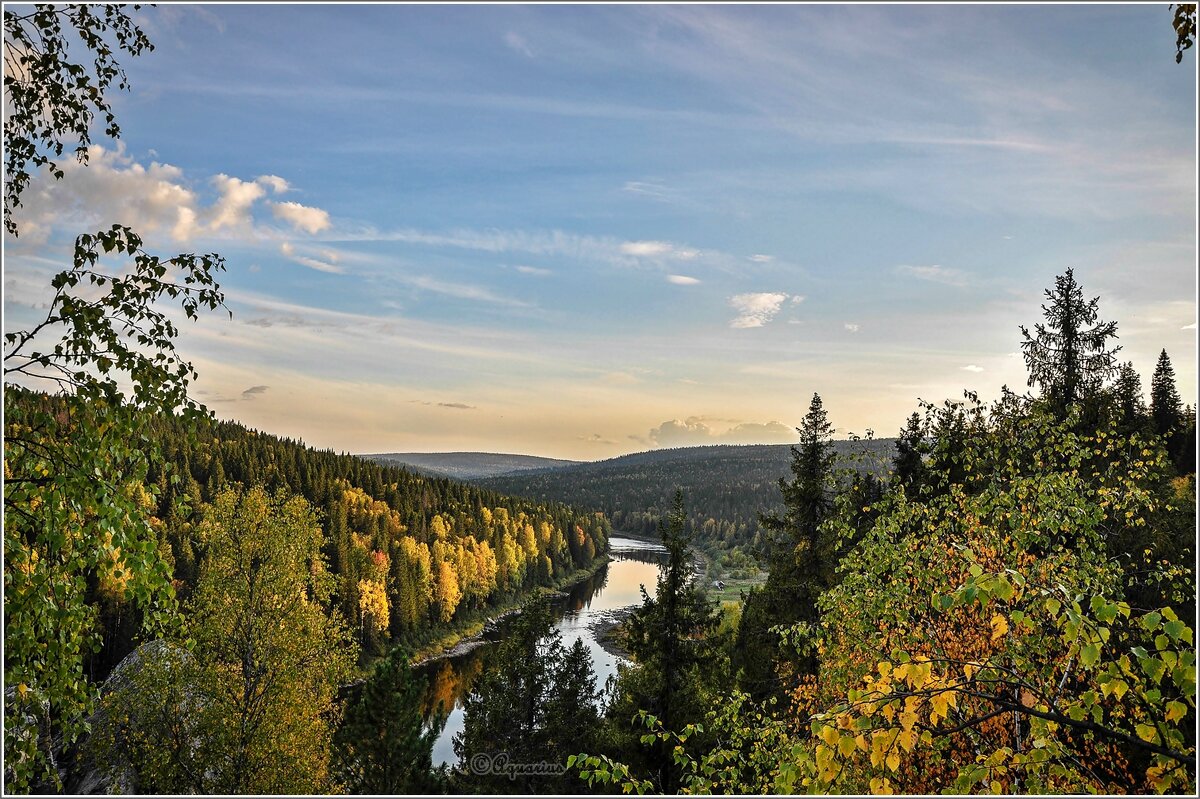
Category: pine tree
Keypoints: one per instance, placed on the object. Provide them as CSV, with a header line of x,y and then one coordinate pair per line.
x,y
1069,356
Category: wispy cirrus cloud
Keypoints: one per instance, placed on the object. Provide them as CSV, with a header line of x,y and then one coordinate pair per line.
x,y
553,243
655,191
935,273
462,291
327,263
518,43
658,249
683,280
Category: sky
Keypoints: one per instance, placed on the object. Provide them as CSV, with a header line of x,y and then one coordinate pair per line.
x,y
582,231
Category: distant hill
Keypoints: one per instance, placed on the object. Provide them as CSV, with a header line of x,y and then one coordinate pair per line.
x,y
468,465
725,487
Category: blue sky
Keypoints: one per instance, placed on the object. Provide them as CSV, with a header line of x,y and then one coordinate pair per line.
x,y
579,231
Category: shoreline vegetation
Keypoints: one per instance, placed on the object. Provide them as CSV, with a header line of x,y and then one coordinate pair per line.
x,y
470,635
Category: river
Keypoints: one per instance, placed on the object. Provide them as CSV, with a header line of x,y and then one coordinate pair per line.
x,y
589,608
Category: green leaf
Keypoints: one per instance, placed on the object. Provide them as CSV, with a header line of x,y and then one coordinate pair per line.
x,y
1175,629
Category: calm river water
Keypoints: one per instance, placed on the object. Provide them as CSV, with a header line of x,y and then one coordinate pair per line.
x,y
591,605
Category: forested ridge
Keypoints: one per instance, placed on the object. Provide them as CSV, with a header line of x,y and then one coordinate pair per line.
x,y
728,487
467,465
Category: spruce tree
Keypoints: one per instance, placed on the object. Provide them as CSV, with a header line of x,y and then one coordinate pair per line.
x,y
1165,405
1068,357
1129,408
910,445
801,561
382,746
670,639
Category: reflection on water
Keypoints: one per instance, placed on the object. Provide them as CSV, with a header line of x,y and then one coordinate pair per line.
x,y
589,605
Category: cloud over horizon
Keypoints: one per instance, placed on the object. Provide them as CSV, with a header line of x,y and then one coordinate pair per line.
x,y
696,431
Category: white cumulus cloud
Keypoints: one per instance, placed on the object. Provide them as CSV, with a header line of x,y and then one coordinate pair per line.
x,y
301,217
155,200
232,209
683,280
972,368
275,183
853,328
755,310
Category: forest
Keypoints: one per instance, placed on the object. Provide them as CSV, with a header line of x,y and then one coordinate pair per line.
x,y
1002,605
727,487
391,559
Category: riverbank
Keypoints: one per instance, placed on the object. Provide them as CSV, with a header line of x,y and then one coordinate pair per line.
x,y
607,632
472,636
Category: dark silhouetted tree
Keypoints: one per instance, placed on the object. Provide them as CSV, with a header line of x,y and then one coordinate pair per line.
x,y
910,446
1068,356
383,746
1165,405
1128,406
670,639
801,562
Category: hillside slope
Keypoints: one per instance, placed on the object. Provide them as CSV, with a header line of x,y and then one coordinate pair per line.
x,y
467,465
725,488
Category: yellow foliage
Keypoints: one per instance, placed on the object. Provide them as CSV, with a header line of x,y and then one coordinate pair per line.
x,y
999,626
373,604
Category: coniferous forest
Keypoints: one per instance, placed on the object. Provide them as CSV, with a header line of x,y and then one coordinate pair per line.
x,y
997,597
